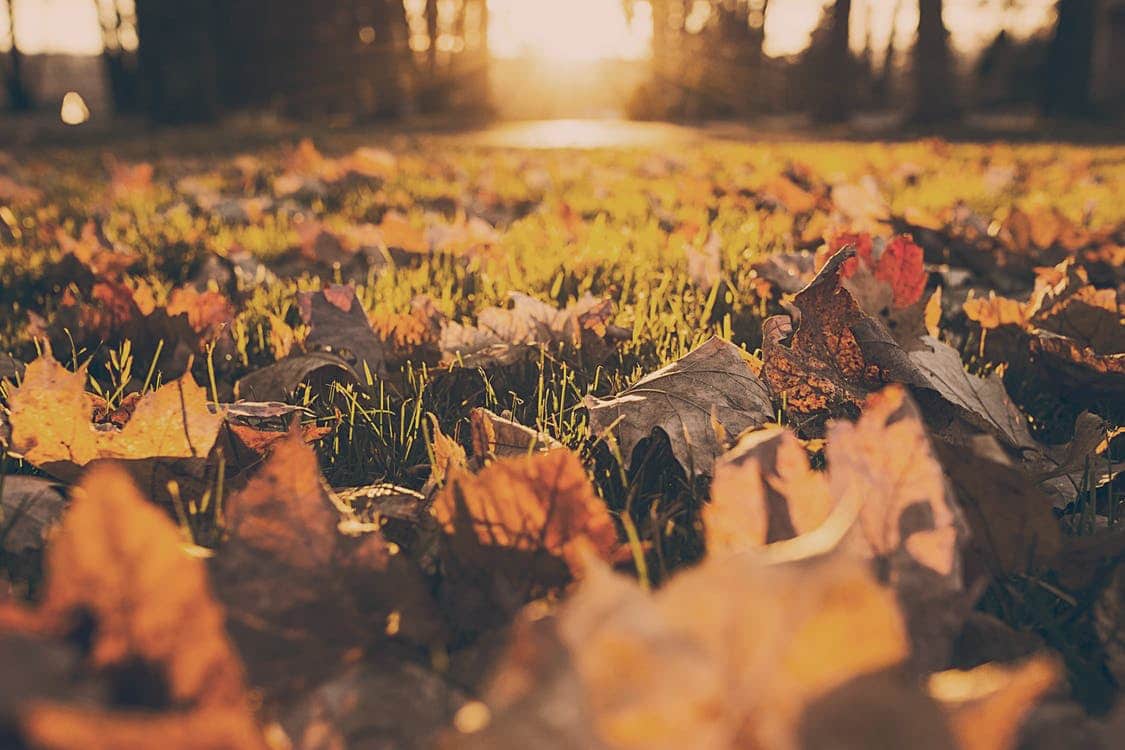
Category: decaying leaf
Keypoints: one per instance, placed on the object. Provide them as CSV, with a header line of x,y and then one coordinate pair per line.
x,y
698,401
828,362
51,412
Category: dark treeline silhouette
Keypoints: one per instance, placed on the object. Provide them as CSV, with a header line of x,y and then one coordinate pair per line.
x,y
369,58
180,61
718,68
15,84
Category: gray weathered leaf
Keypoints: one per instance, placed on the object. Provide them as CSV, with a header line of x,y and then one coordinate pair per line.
x,y
277,382
982,402
28,508
710,389
338,324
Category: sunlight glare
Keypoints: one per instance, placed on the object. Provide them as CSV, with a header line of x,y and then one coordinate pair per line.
x,y
569,31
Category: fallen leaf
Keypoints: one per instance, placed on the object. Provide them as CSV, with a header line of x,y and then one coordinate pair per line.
x,y
685,667
29,508
280,380
496,436
764,491
538,503
711,385
982,402
825,366
1012,527
50,415
119,560
338,324
503,335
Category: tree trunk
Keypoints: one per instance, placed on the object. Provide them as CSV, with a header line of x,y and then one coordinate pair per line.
x,y
835,95
1069,72
934,85
177,59
19,98
884,81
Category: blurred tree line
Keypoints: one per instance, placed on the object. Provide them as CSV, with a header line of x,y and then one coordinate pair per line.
x,y
191,60
708,61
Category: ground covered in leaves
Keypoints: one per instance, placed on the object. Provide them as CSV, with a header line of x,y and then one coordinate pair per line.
x,y
423,444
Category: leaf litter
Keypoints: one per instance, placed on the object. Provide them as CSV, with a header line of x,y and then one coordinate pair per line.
x,y
384,448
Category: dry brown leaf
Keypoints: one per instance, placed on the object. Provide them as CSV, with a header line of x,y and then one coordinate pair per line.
x,y
982,402
285,513
713,385
537,503
338,325
1013,529
824,367
1068,328
305,579
497,436
51,427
